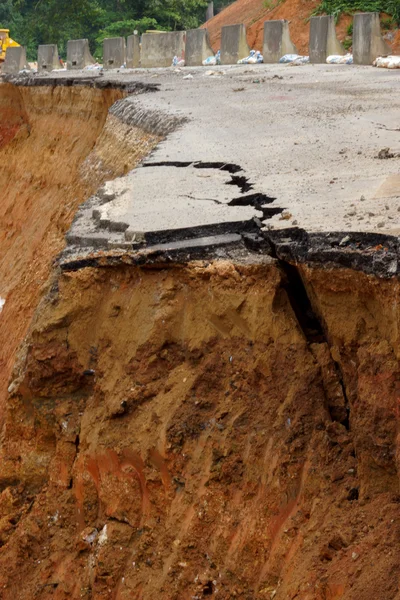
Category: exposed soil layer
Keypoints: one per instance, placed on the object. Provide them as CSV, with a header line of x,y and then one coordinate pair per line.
x,y
57,145
212,428
253,13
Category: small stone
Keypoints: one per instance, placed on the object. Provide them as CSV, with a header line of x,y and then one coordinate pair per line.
x,y
87,538
354,555
385,153
381,224
363,198
344,240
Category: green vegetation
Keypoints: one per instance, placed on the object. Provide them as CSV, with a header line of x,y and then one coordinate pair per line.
x,y
339,7
34,22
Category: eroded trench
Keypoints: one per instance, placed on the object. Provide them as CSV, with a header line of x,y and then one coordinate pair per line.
x,y
220,426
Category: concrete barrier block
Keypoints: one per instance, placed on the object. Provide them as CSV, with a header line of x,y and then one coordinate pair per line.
x,y
133,52
234,45
277,41
78,54
15,61
198,47
114,53
159,49
48,58
323,40
368,43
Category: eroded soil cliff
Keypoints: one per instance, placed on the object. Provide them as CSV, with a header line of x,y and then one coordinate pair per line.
x,y
186,432
174,431
57,145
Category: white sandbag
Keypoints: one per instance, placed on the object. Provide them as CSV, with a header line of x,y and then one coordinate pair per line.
x,y
294,59
387,62
254,58
338,59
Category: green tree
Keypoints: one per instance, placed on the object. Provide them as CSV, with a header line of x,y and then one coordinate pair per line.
x,y
34,22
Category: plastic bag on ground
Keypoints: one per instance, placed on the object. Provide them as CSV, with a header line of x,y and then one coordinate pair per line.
x,y
387,62
211,61
294,59
258,58
338,59
178,62
288,58
254,57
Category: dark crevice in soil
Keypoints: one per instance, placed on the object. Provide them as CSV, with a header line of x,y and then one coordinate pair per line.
x,y
122,521
301,305
308,320
208,589
346,421
311,326
353,494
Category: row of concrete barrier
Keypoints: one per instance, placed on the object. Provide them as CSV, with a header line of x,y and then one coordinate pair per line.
x,y
158,49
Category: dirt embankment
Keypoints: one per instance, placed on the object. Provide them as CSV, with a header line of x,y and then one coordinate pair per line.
x,y
253,13
176,434
57,145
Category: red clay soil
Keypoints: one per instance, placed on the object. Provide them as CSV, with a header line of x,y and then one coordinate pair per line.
x,y
253,13
395,44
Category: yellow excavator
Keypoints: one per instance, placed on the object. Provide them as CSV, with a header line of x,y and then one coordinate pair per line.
x,y
5,42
